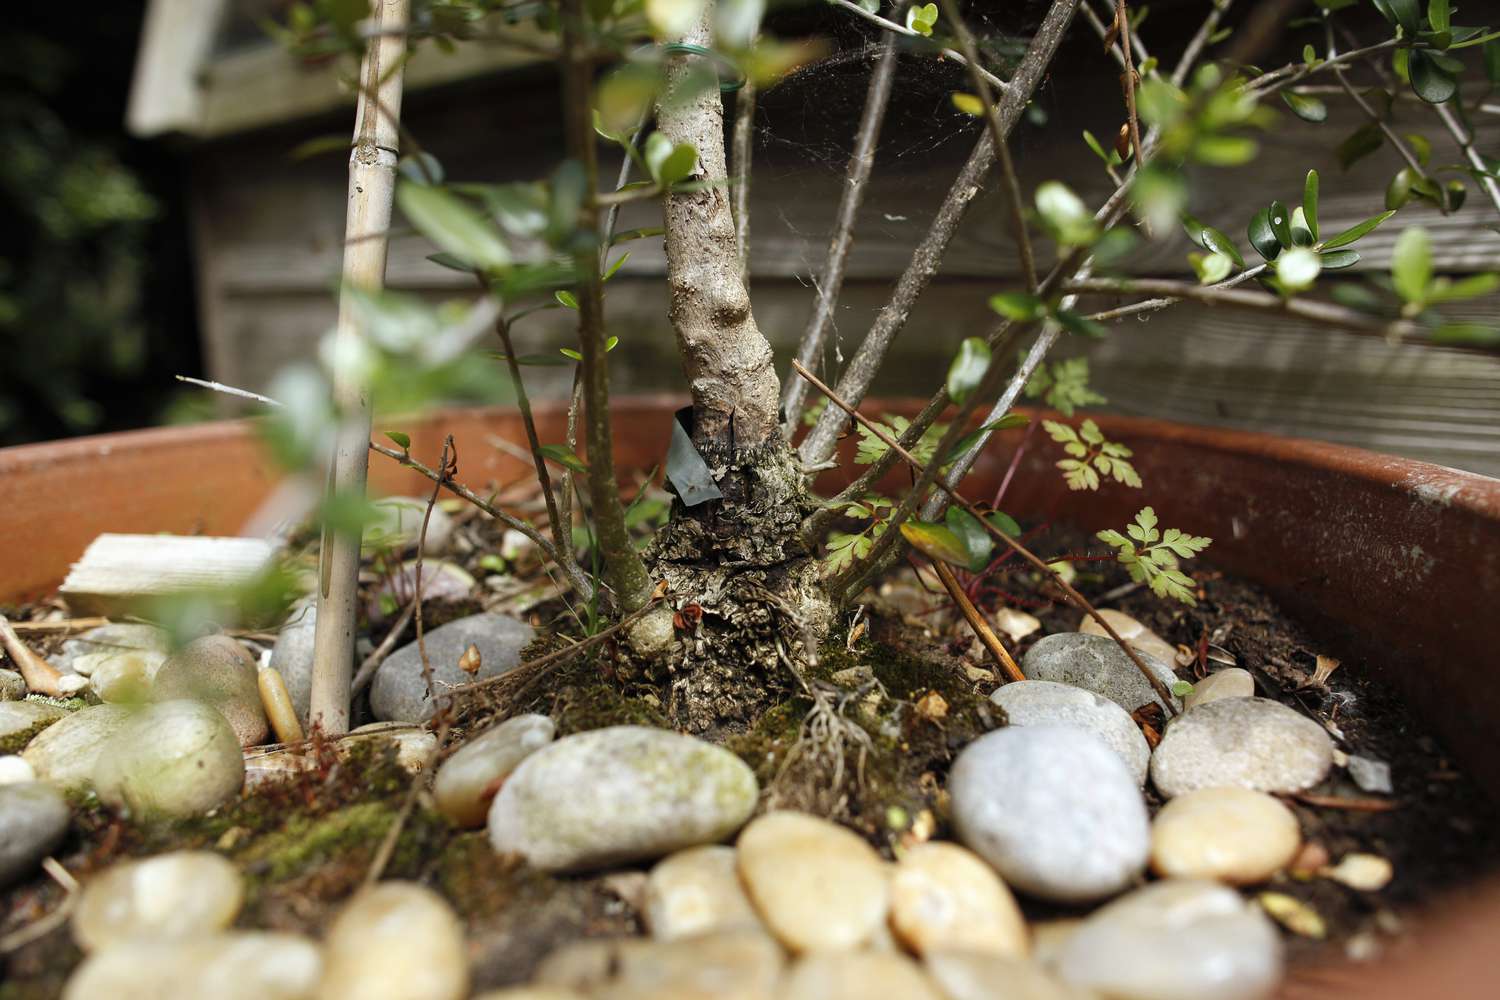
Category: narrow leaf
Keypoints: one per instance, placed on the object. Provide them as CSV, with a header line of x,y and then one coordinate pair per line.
x,y
452,225
1356,231
403,439
937,541
1310,202
1411,264
1309,109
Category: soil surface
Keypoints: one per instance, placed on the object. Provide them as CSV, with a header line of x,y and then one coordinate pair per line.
x,y
866,735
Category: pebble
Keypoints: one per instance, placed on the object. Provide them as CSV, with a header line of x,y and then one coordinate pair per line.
x,y
971,975
1370,775
742,965
217,670
1047,703
1244,742
442,581
1231,682
1232,835
697,891
276,701
398,525
1139,636
183,894
237,965
414,745
625,793
173,759
86,651
1096,664
530,993
66,754
857,975
399,692
292,655
15,771
21,721
467,782
12,686
1053,809
1179,939
943,896
124,678
1365,872
33,819
395,941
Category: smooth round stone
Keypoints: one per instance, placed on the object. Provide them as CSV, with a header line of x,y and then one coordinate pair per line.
x,y
1231,682
1047,703
817,886
943,896
395,941
86,651
399,692
12,686
414,745
857,975
15,771
238,965
466,783
1233,835
292,656
739,965
183,894
972,975
33,819
1243,742
66,754
1176,940
398,525
21,721
530,993
625,793
1139,636
124,678
1053,809
217,671
442,581
697,891
276,701
1096,663
170,759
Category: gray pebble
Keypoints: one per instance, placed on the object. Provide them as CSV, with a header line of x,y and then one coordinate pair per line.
x,y
1370,775
114,637
1053,809
1096,663
12,686
399,693
292,656
67,752
1046,703
33,820
1250,743
21,721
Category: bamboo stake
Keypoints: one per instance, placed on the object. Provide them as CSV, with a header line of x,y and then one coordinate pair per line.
x,y
976,622
372,185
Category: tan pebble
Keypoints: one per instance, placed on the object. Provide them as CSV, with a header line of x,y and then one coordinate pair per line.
x,y
174,896
1132,631
1365,872
945,896
1231,682
967,975
817,886
1048,937
739,965
530,993
277,702
1309,860
855,975
395,941
1232,835
697,891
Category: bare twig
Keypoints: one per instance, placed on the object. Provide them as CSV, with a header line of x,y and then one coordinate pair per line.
x,y
39,675
1153,305
976,622
42,926
228,390
560,535
1128,81
377,656
831,282
1036,561
886,24
1199,42
68,625
448,466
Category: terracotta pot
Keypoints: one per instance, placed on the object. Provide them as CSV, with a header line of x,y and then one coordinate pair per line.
x,y
1386,554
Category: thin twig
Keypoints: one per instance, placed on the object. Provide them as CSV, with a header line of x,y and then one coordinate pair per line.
x,y
976,622
900,29
69,625
523,403
448,464
1153,305
1199,41
377,656
228,389
42,926
1036,561
1128,81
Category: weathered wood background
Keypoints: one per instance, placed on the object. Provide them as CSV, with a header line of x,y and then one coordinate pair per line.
x,y
268,231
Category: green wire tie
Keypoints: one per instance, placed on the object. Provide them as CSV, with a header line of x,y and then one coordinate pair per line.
x,y
724,62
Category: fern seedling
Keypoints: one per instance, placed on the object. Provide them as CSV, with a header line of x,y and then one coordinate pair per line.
x,y
1091,456
1064,386
1151,556
844,547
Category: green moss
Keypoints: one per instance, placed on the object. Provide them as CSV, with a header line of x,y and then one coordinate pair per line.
x,y
306,841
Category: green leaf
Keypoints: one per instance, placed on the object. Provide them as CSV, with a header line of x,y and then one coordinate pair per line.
x,y
968,368
967,103
1262,238
566,298
1467,334
1309,109
453,225
1280,222
1361,143
1336,260
1444,290
561,454
1411,264
1298,268
1438,15
667,163
1110,158
1310,202
1065,214
1003,522
1356,231
1219,243
937,541
971,534
403,439
921,18
610,273
1019,306
1182,688
1399,191
1492,60
569,352
1420,146
1083,326
1210,268
1301,233
1432,82
1402,12
451,262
